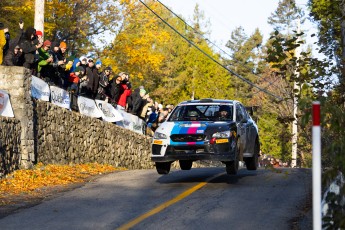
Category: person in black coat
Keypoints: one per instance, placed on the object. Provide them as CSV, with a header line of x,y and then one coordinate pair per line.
x,y
14,57
29,46
104,85
115,90
92,76
138,101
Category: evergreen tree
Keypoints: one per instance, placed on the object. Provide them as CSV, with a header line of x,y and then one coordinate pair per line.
x,y
284,18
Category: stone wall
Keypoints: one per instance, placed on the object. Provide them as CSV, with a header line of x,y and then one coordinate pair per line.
x,y
65,136
16,81
9,145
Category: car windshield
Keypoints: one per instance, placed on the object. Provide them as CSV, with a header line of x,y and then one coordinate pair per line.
x,y
199,112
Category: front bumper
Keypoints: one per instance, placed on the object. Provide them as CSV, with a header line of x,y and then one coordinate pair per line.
x,y
217,152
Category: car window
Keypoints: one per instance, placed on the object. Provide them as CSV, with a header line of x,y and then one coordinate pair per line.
x,y
239,113
202,112
244,111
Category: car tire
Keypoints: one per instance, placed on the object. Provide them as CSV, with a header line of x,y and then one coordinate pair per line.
x,y
253,162
232,166
185,165
163,167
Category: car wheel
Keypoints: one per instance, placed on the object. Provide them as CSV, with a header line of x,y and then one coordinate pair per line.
x,y
185,165
252,162
163,167
232,166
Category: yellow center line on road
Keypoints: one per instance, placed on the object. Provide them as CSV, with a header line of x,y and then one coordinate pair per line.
x,y
163,206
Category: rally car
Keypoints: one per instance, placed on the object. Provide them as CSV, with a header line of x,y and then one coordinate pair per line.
x,y
207,129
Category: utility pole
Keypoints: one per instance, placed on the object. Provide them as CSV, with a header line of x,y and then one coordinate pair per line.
x,y
39,15
295,104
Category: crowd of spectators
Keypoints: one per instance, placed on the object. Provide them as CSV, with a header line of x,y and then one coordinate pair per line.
x,y
80,76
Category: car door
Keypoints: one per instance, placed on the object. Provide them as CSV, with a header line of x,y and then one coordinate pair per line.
x,y
241,127
250,132
244,127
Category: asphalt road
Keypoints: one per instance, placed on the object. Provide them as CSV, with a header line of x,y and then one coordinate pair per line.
x,y
204,198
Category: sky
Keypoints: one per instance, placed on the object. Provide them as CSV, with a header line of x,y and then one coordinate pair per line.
x,y
226,15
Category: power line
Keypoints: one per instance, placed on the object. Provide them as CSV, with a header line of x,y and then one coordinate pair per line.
x,y
207,55
206,39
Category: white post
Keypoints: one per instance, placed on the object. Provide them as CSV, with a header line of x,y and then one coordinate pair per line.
x,y
39,15
316,143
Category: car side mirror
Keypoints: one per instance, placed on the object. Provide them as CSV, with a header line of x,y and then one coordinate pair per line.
x,y
244,120
250,110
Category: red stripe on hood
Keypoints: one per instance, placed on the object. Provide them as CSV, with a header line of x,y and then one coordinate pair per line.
x,y
192,130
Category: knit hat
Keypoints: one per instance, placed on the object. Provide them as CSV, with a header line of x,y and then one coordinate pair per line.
x,y
71,58
47,43
83,58
143,91
63,45
98,62
81,69
39,33
55,44
108,68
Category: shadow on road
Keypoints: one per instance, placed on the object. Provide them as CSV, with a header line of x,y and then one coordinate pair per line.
x,y
202,174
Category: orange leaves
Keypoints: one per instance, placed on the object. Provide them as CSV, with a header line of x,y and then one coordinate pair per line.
x,y
33,181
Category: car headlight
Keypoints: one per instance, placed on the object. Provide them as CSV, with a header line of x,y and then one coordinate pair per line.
x,y
158,135
225,134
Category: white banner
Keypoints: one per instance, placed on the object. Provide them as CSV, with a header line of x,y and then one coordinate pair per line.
x,y
109,113
131,122
88,107
138,125
60,97
126,122
39,89
5,105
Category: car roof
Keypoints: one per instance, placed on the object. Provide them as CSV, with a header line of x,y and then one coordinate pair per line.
x,y
208,100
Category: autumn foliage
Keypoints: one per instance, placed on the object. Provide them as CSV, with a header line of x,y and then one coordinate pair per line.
x,y
34,182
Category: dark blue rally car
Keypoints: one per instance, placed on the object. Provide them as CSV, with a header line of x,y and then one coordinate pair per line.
x,y
207,129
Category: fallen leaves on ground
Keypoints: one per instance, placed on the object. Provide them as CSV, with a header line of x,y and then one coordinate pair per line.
x,y
34,182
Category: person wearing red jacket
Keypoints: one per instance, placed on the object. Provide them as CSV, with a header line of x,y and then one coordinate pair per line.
x,y
122,102
126,91
74,80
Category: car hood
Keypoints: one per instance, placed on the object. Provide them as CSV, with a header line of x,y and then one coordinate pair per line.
x,y
193,127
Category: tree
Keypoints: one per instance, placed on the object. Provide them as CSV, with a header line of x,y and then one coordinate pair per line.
x,y
170,67
74,21
284,18
246,54
79,22
12,11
